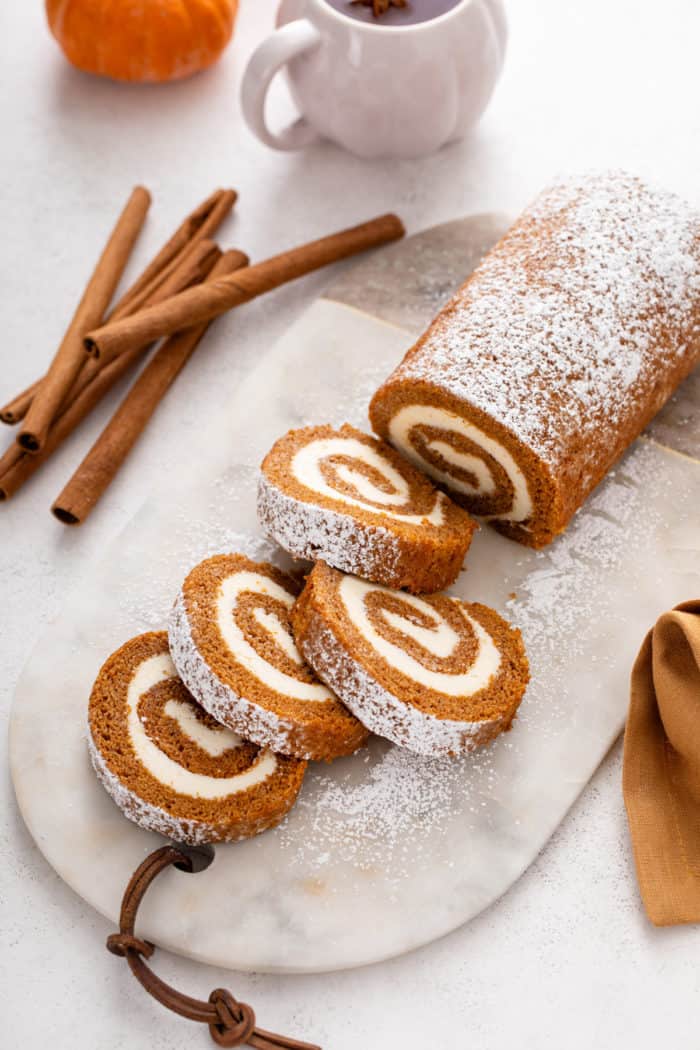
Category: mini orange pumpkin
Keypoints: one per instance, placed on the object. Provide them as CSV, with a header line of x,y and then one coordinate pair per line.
x,y
142,39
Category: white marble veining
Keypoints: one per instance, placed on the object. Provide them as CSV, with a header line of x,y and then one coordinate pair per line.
x,y
333,887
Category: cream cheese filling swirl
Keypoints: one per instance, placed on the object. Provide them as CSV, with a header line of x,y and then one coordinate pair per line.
x,y
252,614
352,472
152,672
429,436
450,652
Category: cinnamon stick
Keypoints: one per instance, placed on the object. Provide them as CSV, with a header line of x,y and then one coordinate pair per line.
x,y
69,358
180,239
95,381
202,224
104,459
10,457
191,270
201,304
16,409
196,227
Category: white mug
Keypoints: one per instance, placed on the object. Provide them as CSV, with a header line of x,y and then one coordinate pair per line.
x,y
378,90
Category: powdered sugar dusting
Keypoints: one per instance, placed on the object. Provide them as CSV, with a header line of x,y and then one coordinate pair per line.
x,y
199,536
311,532
396,809
219,699
563,335
145,814
565,606
380,710
389,810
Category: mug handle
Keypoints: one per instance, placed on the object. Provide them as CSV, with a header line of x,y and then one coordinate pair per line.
x,y
281,47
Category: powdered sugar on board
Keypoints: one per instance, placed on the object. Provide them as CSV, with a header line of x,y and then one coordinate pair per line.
x,y
564,327
384,851
198,538
387,808
400,802
376,812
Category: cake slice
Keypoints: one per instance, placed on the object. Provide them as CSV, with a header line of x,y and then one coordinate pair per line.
x,y
168,765
231,641
353,501
436,675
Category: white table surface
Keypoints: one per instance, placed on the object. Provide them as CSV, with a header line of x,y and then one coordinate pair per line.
x,y
566,959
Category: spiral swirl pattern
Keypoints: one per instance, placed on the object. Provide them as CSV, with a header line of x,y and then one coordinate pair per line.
x,y
231,639
354,473
165,725
434,643
350,500
252,613
168,764
458,454
434,674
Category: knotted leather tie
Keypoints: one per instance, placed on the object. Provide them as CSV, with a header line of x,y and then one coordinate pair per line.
x,y
230,1023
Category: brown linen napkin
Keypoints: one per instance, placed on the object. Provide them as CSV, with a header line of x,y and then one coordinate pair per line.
x,y
661,768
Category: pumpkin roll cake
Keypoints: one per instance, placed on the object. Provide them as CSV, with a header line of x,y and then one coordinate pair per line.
x,y
168,765
346,498
231,640
436,675
554,355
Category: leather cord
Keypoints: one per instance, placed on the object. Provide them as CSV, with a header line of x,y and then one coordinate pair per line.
x,y
230,1022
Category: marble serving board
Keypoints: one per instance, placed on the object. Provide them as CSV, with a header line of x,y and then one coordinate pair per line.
x,y
384,851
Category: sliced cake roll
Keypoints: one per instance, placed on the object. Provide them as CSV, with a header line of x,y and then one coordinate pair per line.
x,y
231,641
168,765
349,499
554,355
436,675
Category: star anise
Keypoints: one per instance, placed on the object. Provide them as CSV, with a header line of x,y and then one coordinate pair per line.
x,y
379,7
